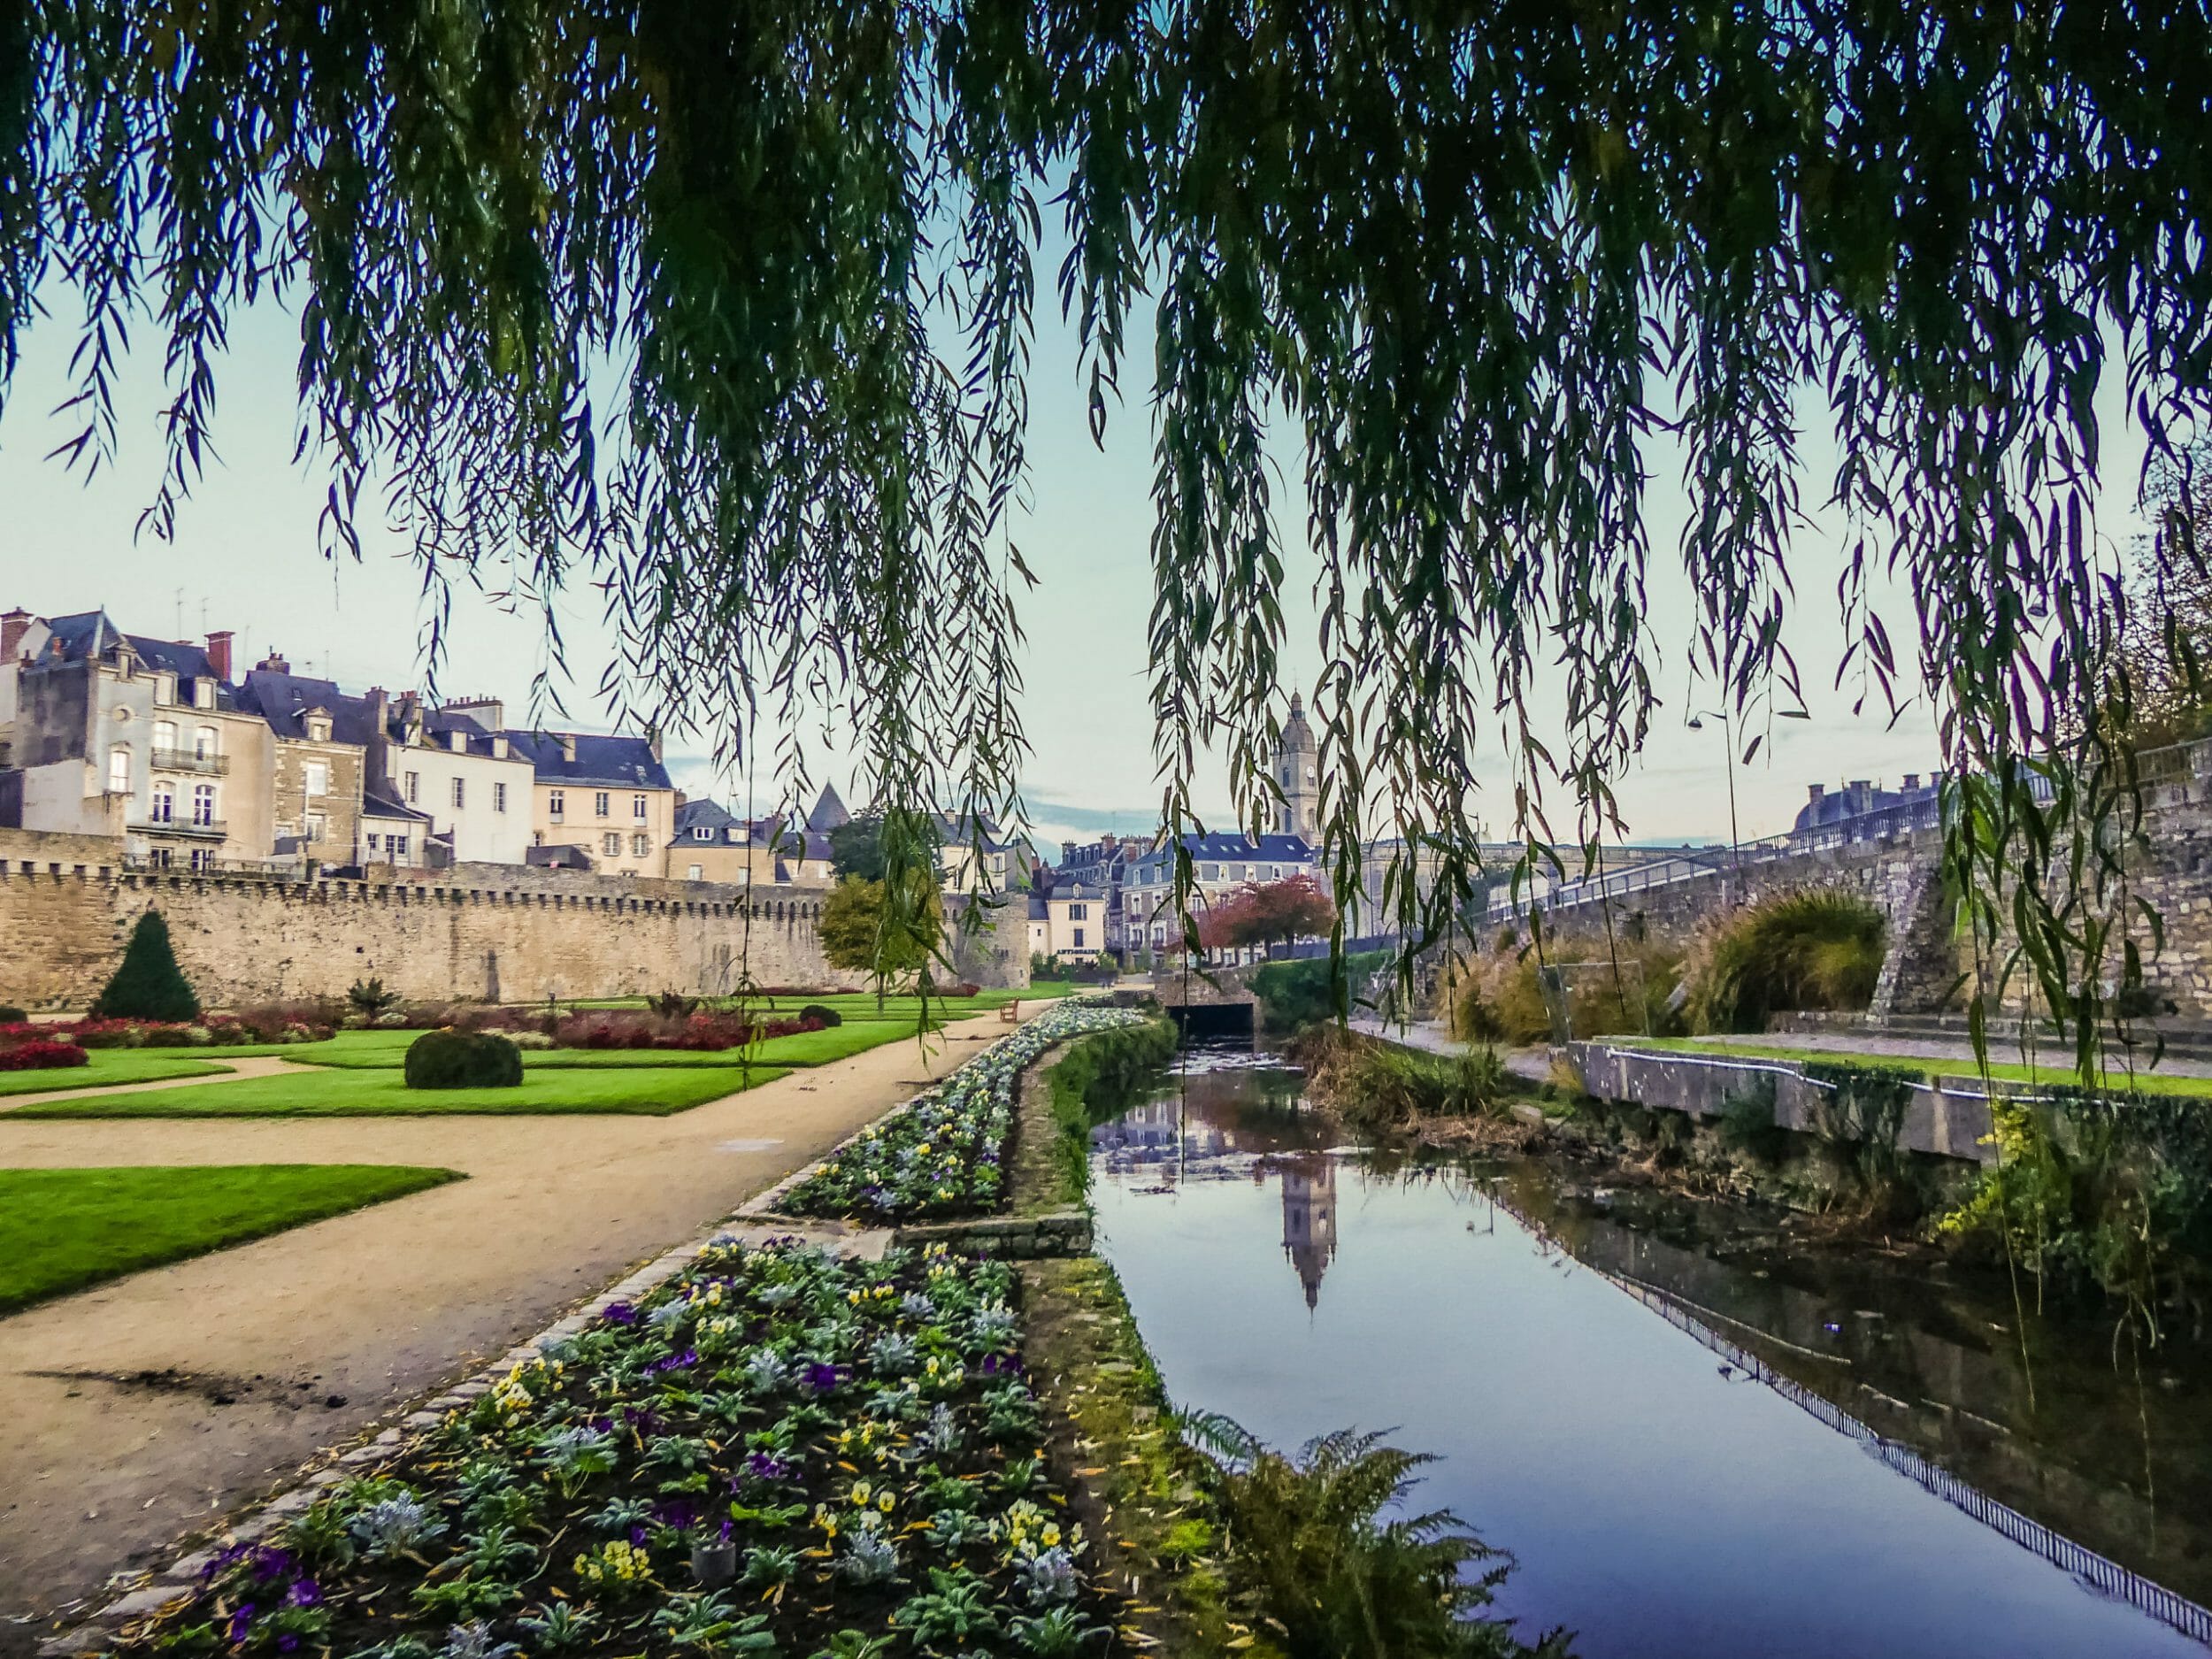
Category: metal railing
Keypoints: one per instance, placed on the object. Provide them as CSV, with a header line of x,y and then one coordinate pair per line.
x,y
212,829
189,760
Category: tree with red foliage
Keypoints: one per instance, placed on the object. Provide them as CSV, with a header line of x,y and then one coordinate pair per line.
x,y
1261,912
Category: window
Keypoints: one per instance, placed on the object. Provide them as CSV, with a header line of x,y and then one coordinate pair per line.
x,y
1210,872
1079,912
599,804
555,803
701,832
696,872
318,778
165,736
640,846
499,797
637,808
460,793
120,770
1078,939
203,743
164,809
204,804
610,843
397,846
317,827
372,840
157,856
414,788
204,858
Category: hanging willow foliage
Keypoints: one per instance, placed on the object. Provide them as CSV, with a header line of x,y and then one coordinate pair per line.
x,y
728,308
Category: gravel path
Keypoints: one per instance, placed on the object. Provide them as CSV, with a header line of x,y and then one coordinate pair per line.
x,y
252,1065
138,1410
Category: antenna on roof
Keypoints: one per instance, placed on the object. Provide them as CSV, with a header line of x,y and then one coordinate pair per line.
x,y
180,613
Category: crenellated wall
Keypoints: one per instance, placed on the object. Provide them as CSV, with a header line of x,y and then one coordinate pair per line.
x,y
476,930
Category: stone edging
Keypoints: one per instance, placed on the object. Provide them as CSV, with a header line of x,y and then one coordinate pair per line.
x,y
100,1631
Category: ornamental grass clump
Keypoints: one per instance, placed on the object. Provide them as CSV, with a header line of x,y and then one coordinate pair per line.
x,y
900,1510
942,1153
1815,947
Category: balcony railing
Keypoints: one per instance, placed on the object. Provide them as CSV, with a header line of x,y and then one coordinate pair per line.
x,y
215,829
189,760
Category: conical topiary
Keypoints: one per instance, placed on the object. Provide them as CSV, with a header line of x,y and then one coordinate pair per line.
x,y
149,985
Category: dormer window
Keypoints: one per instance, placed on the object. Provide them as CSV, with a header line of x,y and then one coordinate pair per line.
x,y
203,694
318,728
702,833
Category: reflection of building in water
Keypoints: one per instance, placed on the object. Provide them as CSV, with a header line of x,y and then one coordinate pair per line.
x,y
1309,1219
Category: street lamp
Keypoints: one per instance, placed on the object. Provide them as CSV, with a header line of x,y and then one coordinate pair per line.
x,y
1728,735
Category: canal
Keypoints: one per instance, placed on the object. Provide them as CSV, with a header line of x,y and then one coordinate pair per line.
x,y
1654,1407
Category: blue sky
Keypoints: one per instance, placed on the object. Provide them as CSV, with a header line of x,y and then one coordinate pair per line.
x,y
245,558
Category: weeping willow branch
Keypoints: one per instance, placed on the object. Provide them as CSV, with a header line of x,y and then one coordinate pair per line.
x,y
728,309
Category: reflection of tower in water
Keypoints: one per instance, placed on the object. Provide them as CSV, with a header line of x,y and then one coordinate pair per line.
x,y
1309,1219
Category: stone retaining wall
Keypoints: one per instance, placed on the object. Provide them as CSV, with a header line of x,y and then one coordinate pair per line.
x,y
1949,1117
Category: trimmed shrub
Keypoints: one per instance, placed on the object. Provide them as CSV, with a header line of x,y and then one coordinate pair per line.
x,y
823,1018
463,1059
149,985
12,1016
1816,948
40,1053
531,1040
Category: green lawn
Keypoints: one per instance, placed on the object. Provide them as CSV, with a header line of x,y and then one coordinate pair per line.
x,y
113,1066
61,1230
374,1051
2148,1082
651,1091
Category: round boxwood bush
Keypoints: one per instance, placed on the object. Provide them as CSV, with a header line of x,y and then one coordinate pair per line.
x,y
10,1016
463,1059
821,1015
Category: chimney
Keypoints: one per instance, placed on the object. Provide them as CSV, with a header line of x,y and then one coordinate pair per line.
x,y
218,653
653,741
1814,791
1067,852
274,664
1912,782
13,625
680,798
568,747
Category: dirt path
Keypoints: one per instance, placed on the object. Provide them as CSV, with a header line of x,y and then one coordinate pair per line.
x,y
252,1065
136,1411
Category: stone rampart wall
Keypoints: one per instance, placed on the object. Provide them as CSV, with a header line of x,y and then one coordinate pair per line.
x,y
493,932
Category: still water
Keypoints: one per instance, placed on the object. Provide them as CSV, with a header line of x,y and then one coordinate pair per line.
x,y
1659,1501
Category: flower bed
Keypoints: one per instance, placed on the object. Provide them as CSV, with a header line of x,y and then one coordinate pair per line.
x,y
780,1451
40,1054
942,1153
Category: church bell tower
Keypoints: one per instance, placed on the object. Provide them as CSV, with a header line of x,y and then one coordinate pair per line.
x,y
1298,774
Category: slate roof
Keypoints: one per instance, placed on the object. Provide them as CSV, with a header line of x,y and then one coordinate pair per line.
x,y
1215,845
283,700
376,806
829,811
92,635
626,763
561,856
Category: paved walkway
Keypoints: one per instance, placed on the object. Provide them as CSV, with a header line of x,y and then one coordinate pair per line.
x,y
1949,1050
138,1410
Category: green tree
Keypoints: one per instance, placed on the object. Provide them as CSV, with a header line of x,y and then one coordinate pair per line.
x,y
856,848
148,984
862,934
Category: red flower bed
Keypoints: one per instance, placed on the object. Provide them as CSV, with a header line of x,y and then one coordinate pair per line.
x,y
626,1028
39,1053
